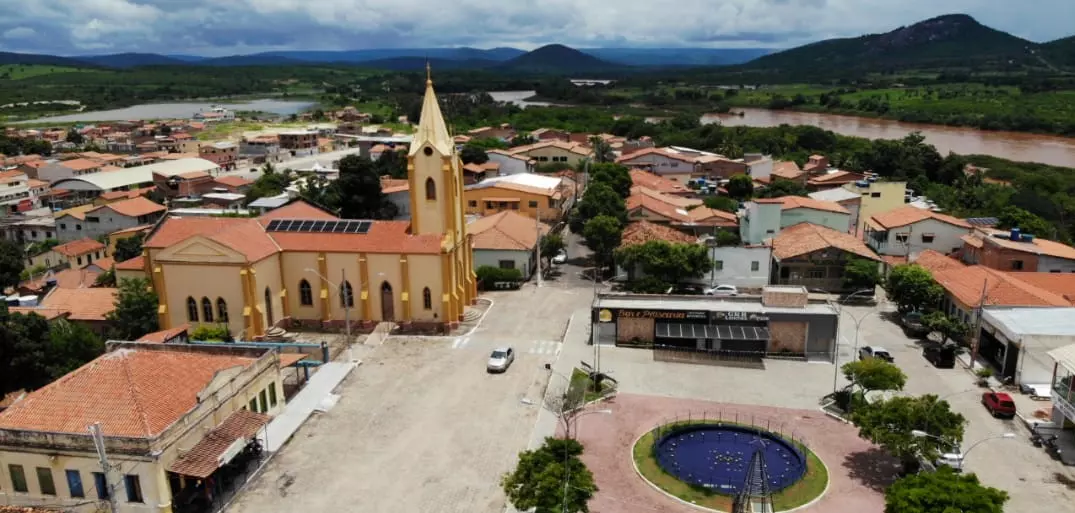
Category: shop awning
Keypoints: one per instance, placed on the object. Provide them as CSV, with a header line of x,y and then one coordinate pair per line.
x,y
712,331
219,445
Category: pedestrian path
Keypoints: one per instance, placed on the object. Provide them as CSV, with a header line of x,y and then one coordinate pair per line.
x,y
542,347
317,389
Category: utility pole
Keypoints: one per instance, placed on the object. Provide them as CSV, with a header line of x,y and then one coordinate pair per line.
x,y
348,297
99,444
537,226
978,325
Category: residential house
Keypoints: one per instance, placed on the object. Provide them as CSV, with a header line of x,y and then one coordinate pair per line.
x,y
31,167
877,197
745,266
507,240
134,268
529,194
16,194
1011,250
641,232
815,256
833,178
262,148
685,214
39,285
763,218
511,164
224,154
849,200
95,184
718,167
654,182
59,170
554,152
398,192
177,335
550,134
816,165
504,132
789,170
474,173
115,196
82,252
904,232
664,162
118,235
172,417
235,184
111,217
298,143
88,306
28,229
71,219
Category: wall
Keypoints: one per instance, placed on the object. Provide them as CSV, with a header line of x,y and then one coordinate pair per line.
x,y
476,203
853,206
109,221
737,266
428,215
820,332
50,259
509,165
660,164
762,221
491,257
54,171
837,221
402,201
1049,264
947,238
890,197
183,280
69,228
552,154
85,259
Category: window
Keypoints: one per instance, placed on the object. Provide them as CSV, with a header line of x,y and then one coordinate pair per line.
x,y
103,493
306,295
78,227
347,296
815,273
1017,265
74,483
222,309
207,310
927,238
490,205
268,305
1055,271
875,195
254,404
272,395
263,398
506,264
93,219
533,204
18,478
901,238
134,488
63,226
79,260
472,204
192,310
431,189
755,265
44,479
427,299
718,265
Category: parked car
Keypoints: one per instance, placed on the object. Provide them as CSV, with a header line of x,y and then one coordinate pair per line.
x,y
875,352
1037,392
722,290
912,324
685,290
999,404
941,356
500,360
951,459
560,257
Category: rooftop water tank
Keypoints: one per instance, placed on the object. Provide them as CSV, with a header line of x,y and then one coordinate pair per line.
x,y
1028,237
28,301
1015,234
862,183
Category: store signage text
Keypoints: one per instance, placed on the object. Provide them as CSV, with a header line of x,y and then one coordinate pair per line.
x,y
739,316
661,314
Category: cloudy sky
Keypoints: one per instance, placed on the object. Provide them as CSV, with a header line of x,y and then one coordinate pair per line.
x,y
226,27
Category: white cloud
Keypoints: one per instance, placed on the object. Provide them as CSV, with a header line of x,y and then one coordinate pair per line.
x,y
223,27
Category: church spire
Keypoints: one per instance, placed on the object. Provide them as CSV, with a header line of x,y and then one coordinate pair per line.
x,y
432,129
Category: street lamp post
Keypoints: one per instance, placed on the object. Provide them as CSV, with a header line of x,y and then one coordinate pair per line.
x,y
347,300
858,322
593,325
963,455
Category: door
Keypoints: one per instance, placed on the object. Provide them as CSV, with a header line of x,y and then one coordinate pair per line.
x,y
268,307
387,303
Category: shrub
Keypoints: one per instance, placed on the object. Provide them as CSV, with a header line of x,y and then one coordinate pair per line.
x,y
211,333
488,276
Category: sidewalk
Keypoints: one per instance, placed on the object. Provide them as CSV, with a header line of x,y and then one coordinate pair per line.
x,y
316,390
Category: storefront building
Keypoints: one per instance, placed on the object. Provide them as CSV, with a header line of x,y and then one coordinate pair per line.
x,y
781,321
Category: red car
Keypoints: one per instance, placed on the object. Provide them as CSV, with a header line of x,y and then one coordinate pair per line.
x,y
999,404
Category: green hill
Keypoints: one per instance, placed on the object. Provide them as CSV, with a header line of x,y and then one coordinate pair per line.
x,y
950,41
559,60
1060,52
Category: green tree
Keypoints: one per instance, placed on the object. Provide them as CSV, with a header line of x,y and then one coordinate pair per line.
x,y
779,188
602,235
551,479
943,491
671,263
488,143
359,190
721,203
106,279
740,187
551,244
23,351
891,424
135,313
947,326
613,175
270,183
600,199
874,374
602,150
128,248
74,137
523,139
861,274
471,154
71,345
1015,217
912,287
391,163
12,263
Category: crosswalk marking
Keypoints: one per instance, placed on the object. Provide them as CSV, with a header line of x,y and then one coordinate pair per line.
x,y
460,342
545,347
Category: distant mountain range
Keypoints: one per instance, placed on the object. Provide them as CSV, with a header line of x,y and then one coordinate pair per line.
x,y
954,41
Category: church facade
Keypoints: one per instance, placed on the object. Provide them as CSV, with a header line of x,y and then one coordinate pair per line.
x,y
301,265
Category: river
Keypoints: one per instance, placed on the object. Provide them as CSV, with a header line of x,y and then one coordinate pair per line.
x,y
176,110
1019,146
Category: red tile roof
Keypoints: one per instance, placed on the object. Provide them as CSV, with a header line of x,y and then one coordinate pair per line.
x,y
298,210
203,459
506,230
966,285
805,238
133,193
657,151
786,169
135,393
233,181
78,247
83,304
1060,284
133,264
906,215
936,261
657,183
162,336
65,279
790,202
641,232
134,207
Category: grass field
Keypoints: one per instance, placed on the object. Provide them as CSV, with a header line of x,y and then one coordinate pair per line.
x,y
810,487
21,71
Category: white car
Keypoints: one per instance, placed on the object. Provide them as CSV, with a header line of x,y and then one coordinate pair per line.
x,y
560,257
952,459
500,360
722,290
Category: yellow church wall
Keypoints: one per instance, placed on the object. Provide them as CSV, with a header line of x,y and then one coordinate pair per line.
x,y
427,214
208,281
425,272
294,266
267,275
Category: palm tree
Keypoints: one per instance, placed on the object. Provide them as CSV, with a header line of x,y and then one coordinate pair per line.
x,y
268,168
602,151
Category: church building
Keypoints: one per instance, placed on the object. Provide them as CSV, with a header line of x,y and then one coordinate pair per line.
x,y
300,265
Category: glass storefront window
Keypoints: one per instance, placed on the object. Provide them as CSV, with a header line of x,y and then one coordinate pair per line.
x,y
1063,386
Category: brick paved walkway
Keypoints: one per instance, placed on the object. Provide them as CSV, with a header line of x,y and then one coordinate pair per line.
x,y
858,472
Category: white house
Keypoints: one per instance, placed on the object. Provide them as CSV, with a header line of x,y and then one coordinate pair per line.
x,y
666,162
507,240
764,218
61,169
907,231
18,193
111,217
850,200
742,266
511,164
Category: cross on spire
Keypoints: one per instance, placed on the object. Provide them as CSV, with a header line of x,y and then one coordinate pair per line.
x,y
429,74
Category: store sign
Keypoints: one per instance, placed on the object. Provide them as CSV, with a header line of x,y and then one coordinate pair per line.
x,y
662,314
738,316
605,315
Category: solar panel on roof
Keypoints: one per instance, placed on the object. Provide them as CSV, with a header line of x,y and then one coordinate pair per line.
x,y
364,226
339,227
273,225
318,226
